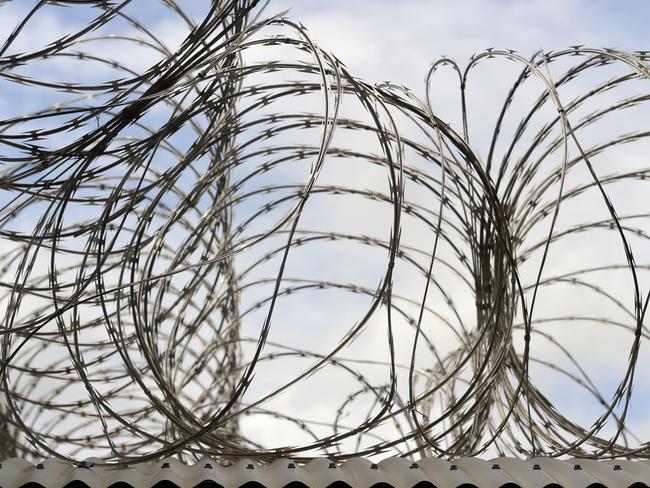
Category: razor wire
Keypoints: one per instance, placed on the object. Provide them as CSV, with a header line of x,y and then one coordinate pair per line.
x,y
204,241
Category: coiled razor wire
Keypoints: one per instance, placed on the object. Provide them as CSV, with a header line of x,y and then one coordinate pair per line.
x,y
233,247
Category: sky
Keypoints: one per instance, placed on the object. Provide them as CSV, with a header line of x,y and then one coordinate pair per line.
x,y
391,41
397,40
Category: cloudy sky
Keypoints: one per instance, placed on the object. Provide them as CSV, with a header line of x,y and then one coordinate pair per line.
x,y
378,41
397,40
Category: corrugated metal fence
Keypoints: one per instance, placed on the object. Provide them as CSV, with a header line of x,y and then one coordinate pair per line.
x,y
361,473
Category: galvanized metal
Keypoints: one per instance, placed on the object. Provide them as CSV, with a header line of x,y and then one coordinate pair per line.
x,y
155,219
357,473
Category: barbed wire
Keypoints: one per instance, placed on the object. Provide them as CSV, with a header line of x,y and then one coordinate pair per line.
x,y
242,232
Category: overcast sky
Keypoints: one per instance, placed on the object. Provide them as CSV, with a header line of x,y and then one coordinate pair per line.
x,y
397,41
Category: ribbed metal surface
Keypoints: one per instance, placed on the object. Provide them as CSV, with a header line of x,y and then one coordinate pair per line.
x,y
361,473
